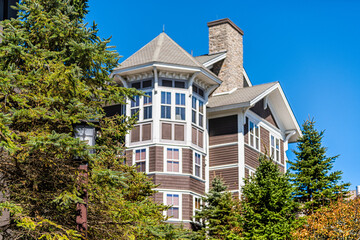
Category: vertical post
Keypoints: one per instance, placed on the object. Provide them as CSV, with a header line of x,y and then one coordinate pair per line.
x,y
81,208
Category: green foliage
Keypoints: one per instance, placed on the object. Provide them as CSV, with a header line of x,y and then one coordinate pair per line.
x,y
54,73
218,218
315,184
268,210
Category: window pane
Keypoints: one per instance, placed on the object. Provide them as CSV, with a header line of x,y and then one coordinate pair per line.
x,y
193,116
166,83
135,111
193,102
136,85
201,92
89,140
179,84
90,131
201,106
147,83
195,89
137,155
165,112
169,153
176,154
272,141
251,140
175,212
147,112
175,167
168,98
136,102
169,199
257,143
197,158
141,167
200,120
257,131
197,170
179,113
148,100
143,154
163,95
251,127
277,144
277,156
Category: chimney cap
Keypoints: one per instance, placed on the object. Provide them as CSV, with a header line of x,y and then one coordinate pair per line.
x,y
223,21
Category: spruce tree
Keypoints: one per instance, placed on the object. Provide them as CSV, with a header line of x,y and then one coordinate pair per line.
x,y
54,74
315,184
218,218
268,210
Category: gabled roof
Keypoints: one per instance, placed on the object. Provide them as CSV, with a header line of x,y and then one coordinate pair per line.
x,y
161,49
208,57
242,96
247,97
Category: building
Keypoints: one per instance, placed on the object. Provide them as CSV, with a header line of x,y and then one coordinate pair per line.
x,y
202,117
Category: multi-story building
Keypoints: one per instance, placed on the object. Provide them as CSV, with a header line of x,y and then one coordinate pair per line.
x,y
201,118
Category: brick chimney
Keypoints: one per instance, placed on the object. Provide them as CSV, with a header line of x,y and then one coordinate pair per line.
x,y
224,35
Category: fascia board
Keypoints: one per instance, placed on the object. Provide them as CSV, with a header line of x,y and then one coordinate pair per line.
x,y
215,60
264,94
228,107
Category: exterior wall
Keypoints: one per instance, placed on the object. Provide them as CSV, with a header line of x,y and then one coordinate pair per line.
x,y
226,36
223,155
229,175
156,159
187,211
264,113
171,182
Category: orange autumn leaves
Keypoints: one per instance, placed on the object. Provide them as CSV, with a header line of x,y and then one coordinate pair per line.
x,y
340,220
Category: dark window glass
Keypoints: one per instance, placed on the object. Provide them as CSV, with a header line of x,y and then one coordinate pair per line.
x,y
166,83
147,84
136,85
148,112
165,112
179,84
195,89
201,92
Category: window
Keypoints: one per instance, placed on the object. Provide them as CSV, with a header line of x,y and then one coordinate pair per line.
x,y
87,134
275,148
197,165
254,136
173,83
135,107
147,105
198,90
201,112
172,160
194,109
166,105
140,159
197,207
180,111
173,200
142,84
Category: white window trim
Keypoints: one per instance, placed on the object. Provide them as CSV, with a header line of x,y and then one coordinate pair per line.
x,y
197,111
180,106
146,154
201,165
173,105
165,159
194,210
275,138
180,205
256,123
142,106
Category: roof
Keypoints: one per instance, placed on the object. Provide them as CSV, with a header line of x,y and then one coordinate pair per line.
x,y
239,96
208,57
161,49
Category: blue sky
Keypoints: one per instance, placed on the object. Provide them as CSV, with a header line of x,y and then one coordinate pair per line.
x,y
311,47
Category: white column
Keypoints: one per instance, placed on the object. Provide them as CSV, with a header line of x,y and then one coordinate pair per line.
x,y
156,109
241,150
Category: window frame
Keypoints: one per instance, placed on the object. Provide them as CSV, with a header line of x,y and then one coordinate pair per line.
x,y
148,105
180,105
166,160
195,112
166,104
252,136
194,206
146,157
277,152
179,206
194,164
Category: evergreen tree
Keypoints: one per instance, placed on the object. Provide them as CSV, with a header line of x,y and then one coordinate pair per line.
x,y
315,184
268,210
54,74
218,218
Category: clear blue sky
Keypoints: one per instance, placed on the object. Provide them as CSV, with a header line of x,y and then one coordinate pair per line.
x,y
311,47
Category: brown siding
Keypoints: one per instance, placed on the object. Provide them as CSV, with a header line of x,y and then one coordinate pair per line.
x,y
128,155
179,132
179,183
264,113
228,138
187,206
264,140
187,161
251,157
200,138
282,169
166,131
246,173
282,153
146,132
194,135
156,159
223,155
223,126
230,176
158,197
135,134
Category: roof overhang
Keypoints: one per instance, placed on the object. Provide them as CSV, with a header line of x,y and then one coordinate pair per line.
x,y
209,63
204,74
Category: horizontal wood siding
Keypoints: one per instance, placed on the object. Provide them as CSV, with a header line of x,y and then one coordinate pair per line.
x,y
282,169
223,155
128,156
158,197
251,157
187,206
229,175
187,160
264,113
228,138
264,140
246,173
178,183
156,159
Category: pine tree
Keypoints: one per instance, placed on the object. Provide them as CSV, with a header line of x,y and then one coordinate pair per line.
x,y
315,184
268,210
54,74
218,218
